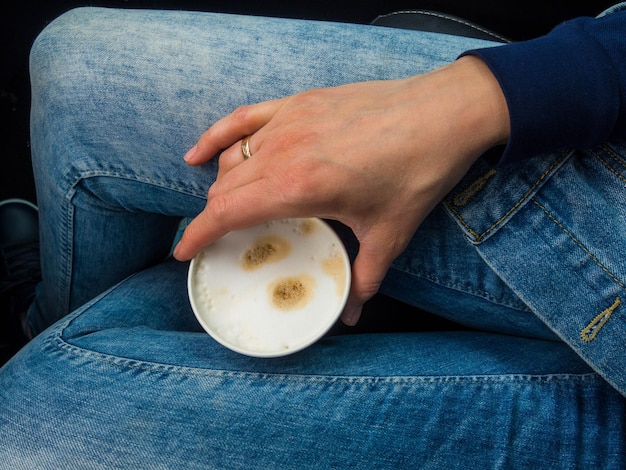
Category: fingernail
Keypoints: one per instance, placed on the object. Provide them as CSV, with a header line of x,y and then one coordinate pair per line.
x,y
190,153
176,252
351,317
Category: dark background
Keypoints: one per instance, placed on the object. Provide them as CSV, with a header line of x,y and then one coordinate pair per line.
x,y
21,23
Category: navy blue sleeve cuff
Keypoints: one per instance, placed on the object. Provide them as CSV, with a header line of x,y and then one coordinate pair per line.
x,y
562,90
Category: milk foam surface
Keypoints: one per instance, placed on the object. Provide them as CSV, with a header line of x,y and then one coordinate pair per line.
x,y
273,289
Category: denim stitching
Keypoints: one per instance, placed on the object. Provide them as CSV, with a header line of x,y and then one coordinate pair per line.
x,y
615,158
67,253
449,18
122,174
590,332
620,161
462,198
480,236
464,289
56,341
67,234
478,379
580,245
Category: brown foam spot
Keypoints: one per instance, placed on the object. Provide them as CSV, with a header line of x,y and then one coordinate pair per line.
x,y
334,267
265,250
307,226
291,293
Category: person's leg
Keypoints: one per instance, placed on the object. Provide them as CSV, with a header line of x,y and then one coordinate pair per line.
x,y
442,273
129,381
120,95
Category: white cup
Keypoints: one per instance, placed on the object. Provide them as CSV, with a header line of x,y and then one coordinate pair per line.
x,y
273,289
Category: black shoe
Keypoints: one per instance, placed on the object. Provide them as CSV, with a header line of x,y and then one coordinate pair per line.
x,y
20,271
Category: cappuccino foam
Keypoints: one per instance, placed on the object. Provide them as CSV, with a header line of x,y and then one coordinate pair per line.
x,y
272,289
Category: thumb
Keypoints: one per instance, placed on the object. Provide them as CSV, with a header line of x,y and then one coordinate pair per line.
x,y
368,270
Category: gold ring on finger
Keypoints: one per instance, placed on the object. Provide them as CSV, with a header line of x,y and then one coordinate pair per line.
x,y
245,148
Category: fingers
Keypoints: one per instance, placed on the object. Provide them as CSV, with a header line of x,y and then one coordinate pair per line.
x,y
368,271
244,121
233,156
242,207
196,236
209,226
217,218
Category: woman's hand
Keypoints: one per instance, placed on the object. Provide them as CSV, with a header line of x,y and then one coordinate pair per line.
x,y
377,156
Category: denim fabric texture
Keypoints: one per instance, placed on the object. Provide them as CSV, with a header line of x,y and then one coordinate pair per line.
x,y
121,374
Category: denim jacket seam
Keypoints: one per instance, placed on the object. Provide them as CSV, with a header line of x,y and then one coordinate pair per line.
x,y
589,332
580,245
613,156
479,237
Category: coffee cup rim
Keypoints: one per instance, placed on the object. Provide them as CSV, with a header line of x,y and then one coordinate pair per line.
x,y
330,320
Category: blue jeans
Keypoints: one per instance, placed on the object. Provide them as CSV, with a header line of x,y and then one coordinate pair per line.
x,y
529,257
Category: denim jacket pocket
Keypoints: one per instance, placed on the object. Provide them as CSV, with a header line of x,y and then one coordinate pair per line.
x,y
487,197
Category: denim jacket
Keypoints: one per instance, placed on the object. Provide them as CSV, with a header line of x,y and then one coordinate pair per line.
x,y
553,226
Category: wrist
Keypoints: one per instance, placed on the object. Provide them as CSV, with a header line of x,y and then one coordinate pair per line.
x,y
485,106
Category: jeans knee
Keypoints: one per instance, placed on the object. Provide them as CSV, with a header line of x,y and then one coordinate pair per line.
x,y
55,52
